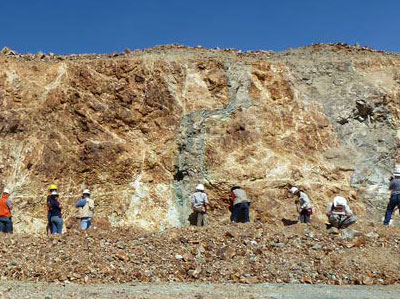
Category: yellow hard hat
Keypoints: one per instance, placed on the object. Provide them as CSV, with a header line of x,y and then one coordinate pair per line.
x,y
53,187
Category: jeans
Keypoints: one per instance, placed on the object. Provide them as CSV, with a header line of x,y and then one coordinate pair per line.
x,y
394,201
304,216
241,212
86,223
56,225
6,225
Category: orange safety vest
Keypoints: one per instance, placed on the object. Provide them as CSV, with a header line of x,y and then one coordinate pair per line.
x,y
4,209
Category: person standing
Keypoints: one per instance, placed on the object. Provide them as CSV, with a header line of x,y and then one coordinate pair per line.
x,y
304,207
6,225
394,201
85,207
52,187
339,213
199,202
241,205
55,213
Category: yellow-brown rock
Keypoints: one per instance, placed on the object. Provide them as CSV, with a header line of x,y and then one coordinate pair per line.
x,y
143,128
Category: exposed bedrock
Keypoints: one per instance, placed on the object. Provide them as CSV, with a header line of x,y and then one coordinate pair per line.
x,y
142,130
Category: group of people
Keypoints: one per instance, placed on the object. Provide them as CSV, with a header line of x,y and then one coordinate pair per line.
x,y
85,206
338,212
239,205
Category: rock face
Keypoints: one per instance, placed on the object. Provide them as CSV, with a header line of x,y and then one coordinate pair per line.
x,y
141,129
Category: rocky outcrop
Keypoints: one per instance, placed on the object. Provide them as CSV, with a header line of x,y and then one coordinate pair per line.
x,y
141,129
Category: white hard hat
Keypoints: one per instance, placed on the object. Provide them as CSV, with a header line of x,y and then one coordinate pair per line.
x,y
6,191
339,201
86,191
200,187
54,192
294,190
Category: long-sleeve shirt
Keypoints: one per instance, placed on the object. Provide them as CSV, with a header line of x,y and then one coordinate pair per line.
x,y
55,209
198,200
395,186
331,209
305,202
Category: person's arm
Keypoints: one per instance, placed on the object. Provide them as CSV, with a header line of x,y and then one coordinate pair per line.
x,y
9,204
205,199
91,204
348,211
303,203
391,185
328,211
192,201
233,197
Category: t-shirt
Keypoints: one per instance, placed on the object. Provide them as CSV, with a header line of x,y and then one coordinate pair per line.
x,y
395,186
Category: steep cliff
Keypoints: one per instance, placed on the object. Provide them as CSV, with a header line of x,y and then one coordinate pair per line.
x,y
141,129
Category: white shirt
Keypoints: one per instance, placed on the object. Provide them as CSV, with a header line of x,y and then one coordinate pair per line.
x,y
305,202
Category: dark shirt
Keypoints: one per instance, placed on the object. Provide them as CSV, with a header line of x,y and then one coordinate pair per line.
x,y
395,186
55,209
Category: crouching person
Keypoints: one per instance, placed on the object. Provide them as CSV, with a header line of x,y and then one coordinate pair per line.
x,y
339,213
85,207
199,202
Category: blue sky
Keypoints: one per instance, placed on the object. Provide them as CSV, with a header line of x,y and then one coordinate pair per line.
x,y
89,26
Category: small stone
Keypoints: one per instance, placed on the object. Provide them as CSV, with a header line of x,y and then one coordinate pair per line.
x,y
179,257
310,235
316,247
333,231
279,245
306,279
372,235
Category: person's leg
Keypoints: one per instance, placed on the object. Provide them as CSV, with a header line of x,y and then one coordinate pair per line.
x,y
59,225
9,226
334,220
53,221
235,213
347,221
246,212
199,219
49,226
84,223
205,219
89,222
302,217
398,202
240,215
2,225
389,210
307,218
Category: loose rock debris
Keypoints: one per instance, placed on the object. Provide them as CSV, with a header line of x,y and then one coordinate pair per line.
x,y
248,253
